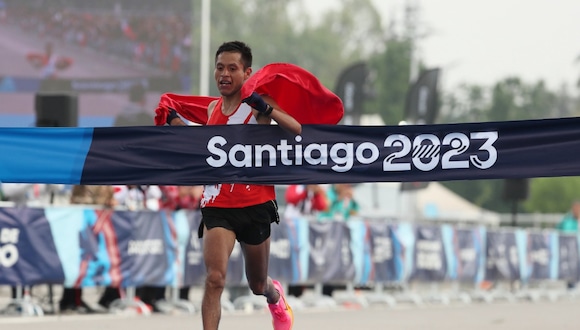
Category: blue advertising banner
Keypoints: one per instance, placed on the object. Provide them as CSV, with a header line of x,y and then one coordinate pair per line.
x,y
298,233
150,251
386,252
28,254
80,247
539,255
236,275
360,247
280,266
331,259
569,267
267,154
405,235
502,256
187,224
467,254
430,260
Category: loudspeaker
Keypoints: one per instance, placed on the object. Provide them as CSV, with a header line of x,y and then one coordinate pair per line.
x,y
56,110
516,189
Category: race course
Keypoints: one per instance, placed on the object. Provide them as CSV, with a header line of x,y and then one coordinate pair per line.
x,y
514,316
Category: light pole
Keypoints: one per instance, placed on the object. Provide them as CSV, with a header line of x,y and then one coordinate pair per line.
x,y
204,62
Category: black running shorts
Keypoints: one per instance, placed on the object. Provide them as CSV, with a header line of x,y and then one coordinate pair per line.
x,y
250,224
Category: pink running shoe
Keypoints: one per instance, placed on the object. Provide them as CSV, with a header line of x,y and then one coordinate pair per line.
x,y
282,316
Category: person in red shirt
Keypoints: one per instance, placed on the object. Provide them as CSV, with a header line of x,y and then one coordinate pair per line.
x,y
239,212
305,200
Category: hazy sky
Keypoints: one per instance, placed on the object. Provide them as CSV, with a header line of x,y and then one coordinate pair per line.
x,y
484,41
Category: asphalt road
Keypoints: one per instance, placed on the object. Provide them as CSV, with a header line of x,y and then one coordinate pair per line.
x,y
521,315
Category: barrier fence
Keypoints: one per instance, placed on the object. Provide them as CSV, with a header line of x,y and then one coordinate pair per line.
x,y
83,247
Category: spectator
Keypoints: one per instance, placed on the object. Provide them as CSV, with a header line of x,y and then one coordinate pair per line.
x,y
342,203
98,196
181,197
342,207
305,200
138,197
569,224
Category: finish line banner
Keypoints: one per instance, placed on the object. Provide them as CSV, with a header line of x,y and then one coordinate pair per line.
x,y
261,154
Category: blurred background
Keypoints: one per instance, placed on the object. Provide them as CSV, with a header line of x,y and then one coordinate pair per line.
x,y
376,55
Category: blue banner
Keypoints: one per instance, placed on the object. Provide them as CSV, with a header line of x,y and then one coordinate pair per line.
x,y
331,259
539,255
429,258
28,254
467,254
187,225
502,256
281,264
386,252
267,154
80,247
569,267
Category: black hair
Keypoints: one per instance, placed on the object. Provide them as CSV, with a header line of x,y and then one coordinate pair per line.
x,y
237,47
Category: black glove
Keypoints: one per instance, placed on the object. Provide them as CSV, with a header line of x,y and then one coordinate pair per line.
x,y
171,115
258,103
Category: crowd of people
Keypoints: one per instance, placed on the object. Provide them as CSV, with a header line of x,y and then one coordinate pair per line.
x,y
142,32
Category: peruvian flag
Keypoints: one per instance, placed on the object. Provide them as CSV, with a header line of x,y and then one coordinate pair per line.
x,y
296,90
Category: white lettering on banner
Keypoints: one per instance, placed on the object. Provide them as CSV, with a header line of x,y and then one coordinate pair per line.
x,y
8,255
503,257
345,253
513,255
280,248
9,235
541,256
194,242
467,255
429,255
9,252
317,252
148,246
382,249
194,257
424,150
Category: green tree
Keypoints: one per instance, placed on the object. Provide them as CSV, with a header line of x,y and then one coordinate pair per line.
x,y
392,69
468,103
509,99
552,195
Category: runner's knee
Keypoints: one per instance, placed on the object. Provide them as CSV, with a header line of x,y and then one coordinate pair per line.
x,y
216,280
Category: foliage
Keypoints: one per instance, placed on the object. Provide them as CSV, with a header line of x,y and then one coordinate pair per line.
x,y
393,69
552,195
281,31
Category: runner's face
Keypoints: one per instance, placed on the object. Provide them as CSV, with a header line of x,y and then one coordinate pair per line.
x,y
229,73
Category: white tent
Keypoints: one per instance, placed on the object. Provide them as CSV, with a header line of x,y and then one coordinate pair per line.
x,y
434,203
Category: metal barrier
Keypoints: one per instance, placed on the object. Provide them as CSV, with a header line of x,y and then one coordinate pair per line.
x,y
425,262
